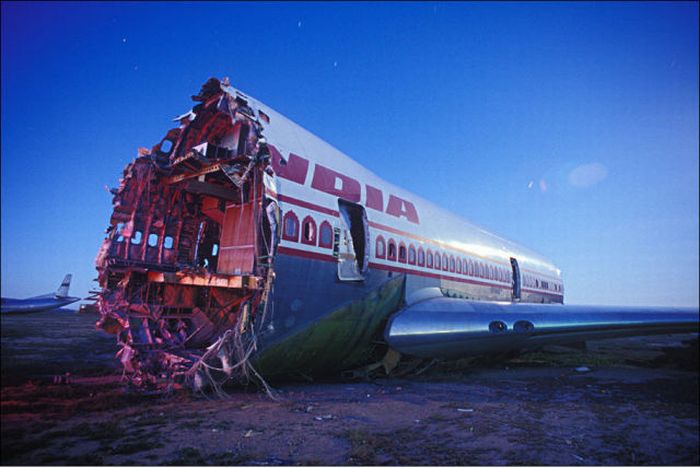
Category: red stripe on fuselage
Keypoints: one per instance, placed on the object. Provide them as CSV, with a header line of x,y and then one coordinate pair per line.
x,y
306,254
397,269
308,205
535,291
381,266
328,211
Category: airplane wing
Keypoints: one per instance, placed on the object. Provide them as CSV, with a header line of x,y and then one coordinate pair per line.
x,y
443,327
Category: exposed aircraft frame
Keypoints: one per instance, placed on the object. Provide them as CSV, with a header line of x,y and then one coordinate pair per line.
x,y
243,246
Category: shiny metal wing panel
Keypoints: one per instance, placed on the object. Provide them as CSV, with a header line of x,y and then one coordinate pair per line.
x,y
452,328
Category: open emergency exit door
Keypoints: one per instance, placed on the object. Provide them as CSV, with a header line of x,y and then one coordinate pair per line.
x,y
516,281
353,242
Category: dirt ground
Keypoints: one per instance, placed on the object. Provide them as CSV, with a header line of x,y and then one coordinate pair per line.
x,y
637,404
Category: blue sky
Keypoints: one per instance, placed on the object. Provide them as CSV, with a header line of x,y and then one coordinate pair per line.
x,y
571,128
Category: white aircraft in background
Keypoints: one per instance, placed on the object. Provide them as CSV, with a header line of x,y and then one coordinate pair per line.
x,y
40,303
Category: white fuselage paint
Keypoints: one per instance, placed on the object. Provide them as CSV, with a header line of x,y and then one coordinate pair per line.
x,y
437,229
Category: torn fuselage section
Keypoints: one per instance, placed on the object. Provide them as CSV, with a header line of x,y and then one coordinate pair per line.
x,y
186,269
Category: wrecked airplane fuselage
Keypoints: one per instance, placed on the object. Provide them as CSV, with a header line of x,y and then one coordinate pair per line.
x,y
242,246
189,268
188,261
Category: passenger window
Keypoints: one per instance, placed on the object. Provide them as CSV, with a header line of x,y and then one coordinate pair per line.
x,y
402,253
392,250
380,246
308,231
215,250
168,242
326,235
430,259
152,240
136,238
291,227
120,236
412,255
166,146
421,257
437,260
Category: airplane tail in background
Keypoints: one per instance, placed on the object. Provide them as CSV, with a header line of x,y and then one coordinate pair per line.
x,y
63,288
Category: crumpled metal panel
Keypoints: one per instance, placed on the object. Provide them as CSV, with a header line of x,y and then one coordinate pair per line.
x,y
168,291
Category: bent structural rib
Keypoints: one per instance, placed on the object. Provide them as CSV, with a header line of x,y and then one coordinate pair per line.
x,y
451,328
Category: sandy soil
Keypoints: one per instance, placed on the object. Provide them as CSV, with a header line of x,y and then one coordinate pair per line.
x,y
637,405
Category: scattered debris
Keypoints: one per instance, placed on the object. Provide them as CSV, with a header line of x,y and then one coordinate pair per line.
x,y
325,417
583,369
465,410
88,309
62,379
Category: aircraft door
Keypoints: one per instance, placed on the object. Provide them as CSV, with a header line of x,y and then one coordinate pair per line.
x,y
352,242
516,279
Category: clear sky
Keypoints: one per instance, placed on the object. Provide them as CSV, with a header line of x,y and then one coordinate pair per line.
x,y
571,128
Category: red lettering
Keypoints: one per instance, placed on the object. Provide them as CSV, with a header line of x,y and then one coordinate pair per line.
x,y
375,199
399,207
335,183
345,187
295,169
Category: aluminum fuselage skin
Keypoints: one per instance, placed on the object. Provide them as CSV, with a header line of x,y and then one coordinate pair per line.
x,y
475,274
316,175
311,176
349,266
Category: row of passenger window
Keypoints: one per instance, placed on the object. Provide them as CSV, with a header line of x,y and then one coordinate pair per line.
x,y
310,234
322,236
532,282
153,239
137,238
439,260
